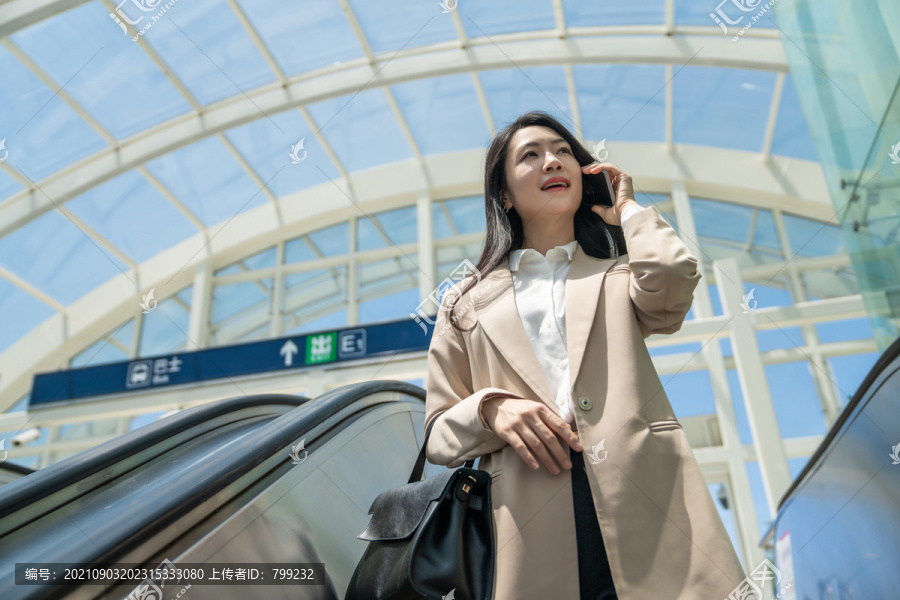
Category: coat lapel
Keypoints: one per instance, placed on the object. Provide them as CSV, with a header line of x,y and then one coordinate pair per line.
x,y
495,307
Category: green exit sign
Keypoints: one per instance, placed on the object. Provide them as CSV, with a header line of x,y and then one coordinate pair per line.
x,y
321,348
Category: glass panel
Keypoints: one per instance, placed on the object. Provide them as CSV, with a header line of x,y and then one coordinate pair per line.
x,y
423,23
87,429
449,258
506,16
21,405
443,113
594,14
512,92
829,283
260,260
845,61
776,293
690,393
737,399
621,102
327,39
298,250
29,313
132,214
813,238
145,419
315,300
779,338
240,309
208,181
796,399
842,331
123,89
848,372
270,145
332,241
791,136
441,222
165,330
74,267
209,50
399,226
765,234
113,347
335,320
736,15
31,122
710,107
721,219
361,129
466,215
388,289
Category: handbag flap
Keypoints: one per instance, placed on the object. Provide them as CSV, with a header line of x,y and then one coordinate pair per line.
x,y
397,512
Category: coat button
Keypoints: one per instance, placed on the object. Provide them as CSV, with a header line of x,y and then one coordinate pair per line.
x,y
585,403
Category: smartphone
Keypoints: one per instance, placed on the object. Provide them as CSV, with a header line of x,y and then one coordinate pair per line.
x,y
596,188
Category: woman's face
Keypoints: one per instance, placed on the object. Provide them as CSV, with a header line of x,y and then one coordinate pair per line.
x,y
538,157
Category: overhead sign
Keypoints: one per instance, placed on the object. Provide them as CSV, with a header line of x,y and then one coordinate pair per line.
x,y
383,339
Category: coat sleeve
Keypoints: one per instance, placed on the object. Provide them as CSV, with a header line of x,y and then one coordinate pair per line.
x,y
664,273
460,432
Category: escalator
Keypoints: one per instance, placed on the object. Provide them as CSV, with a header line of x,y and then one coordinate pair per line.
x,y
268,479
837,532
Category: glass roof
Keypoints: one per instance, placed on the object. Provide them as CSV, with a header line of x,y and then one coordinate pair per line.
x,y
74,87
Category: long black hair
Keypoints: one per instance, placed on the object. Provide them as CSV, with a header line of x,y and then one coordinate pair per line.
x,y
505,233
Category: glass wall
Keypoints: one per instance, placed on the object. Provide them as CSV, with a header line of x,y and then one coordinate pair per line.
x,y
845,59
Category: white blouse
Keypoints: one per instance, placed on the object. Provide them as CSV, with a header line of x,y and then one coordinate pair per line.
x,y
539,283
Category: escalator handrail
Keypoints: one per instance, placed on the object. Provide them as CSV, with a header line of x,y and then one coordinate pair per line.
x,y
43,482
230,464
889,355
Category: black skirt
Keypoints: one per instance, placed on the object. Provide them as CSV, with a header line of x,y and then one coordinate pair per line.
x,y
594,577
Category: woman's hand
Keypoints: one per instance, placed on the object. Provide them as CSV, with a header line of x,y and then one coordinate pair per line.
x,y
531,427
622,186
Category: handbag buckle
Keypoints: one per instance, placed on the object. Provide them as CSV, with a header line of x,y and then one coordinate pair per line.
x,y
463,489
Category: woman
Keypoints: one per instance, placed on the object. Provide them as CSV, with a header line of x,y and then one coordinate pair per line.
x,y
538,365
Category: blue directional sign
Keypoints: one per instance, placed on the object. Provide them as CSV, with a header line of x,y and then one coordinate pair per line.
x,y
312,349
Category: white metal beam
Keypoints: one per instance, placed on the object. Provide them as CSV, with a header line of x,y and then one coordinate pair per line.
x,y
75,179
731,176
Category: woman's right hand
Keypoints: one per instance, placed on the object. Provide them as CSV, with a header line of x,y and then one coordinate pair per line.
x,y
531,427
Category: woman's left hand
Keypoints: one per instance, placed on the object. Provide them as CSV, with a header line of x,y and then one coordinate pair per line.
x,y
621,183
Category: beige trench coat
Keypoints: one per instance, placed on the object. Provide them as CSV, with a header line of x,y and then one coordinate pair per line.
x,y
663,535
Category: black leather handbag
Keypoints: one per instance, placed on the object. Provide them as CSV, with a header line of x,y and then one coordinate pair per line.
x,y
429,539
